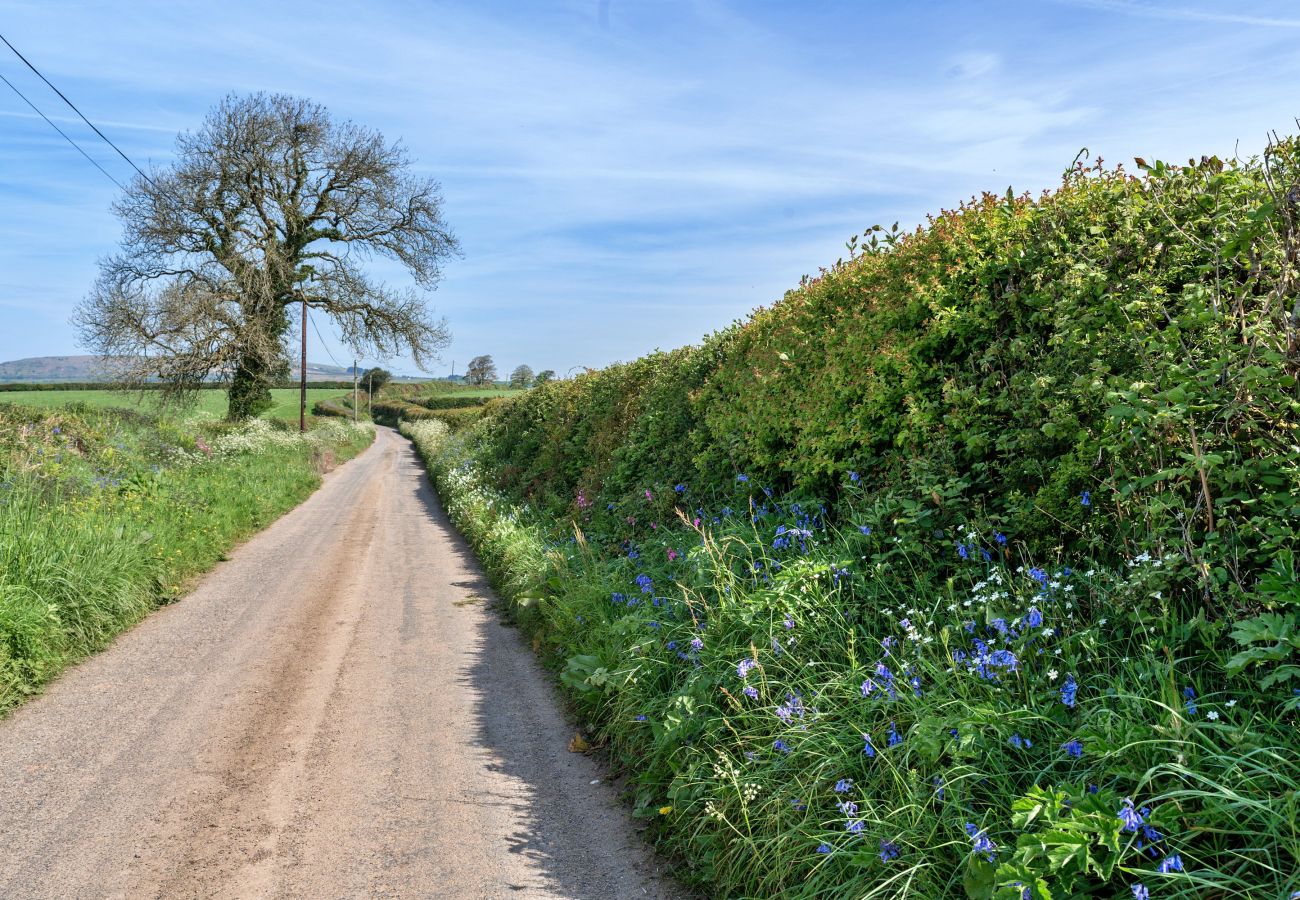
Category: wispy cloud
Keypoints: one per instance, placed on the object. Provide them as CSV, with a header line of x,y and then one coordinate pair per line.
x,y
1152,9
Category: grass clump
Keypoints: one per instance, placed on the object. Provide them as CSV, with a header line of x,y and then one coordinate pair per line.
x,y
106,513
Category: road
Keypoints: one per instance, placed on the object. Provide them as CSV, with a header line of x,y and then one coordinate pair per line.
x,y
335,711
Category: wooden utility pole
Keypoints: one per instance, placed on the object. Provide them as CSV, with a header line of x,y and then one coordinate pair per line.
x,y
354,391
302,402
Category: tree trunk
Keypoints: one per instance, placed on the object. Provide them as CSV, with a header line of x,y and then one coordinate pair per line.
x,y
250,388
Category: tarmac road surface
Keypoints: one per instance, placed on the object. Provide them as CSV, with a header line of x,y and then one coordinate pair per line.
x,y
336,711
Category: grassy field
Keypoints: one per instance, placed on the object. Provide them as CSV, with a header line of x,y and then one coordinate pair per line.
x,y
213,402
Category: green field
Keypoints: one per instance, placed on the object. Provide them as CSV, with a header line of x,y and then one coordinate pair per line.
x,y
214,402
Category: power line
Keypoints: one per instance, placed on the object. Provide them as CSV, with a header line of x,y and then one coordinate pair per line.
x,y
316,328
61,131
74,109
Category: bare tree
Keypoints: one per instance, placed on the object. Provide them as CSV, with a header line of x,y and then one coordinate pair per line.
x,y
481,370
270,203
522,377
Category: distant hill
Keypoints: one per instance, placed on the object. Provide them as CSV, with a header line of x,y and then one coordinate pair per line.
x,y
44,369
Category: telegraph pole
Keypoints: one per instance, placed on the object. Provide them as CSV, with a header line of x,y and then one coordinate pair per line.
x,y
302,401
355,378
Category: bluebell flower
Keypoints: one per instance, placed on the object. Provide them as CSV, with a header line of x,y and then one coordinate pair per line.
x,y
1020,743
1171,863
681,488
641,718
853,476
843,785
646,584
865,529
745,666
855,826
823,848
1131,818
1034,618
788,622
848,807
938,787
1140,892
1000,538
1190,693
894,738
1039,575
697,644
1085,499
962,551
742,478
981,841
1073,748
781,746
751,692
888,850
867,749
1069,691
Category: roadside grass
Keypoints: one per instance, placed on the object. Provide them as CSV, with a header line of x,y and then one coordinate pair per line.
x,y
106,513
809,709
210,402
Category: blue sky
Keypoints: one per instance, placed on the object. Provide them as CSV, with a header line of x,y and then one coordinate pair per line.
x,y
629,174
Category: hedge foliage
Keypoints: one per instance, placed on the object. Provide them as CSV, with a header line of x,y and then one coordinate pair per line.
x,y
1106,368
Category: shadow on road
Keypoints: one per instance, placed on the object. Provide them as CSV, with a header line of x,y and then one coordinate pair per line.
x,y
576,835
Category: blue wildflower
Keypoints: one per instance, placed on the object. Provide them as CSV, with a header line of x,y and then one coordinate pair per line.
x,y
823,848
1069,691
1085,499
848,807
855,826
646,584
751,692
982,844
1020,743
853,476
1034,618
1171,863
962,551
843,785
745,666
742,478
781,746
681,488
697,644
865,529
1073,748
1000,538
1190,694
867,749
1131,818
1140,892
888,850
641,718
938,787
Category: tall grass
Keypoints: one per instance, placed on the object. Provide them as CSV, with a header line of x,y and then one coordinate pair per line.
x,y
106,514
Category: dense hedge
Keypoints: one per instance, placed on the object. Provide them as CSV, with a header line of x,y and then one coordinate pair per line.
x,y
1105,368
966,569
394,411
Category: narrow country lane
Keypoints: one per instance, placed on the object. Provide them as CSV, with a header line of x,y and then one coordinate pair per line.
x,y
336,711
